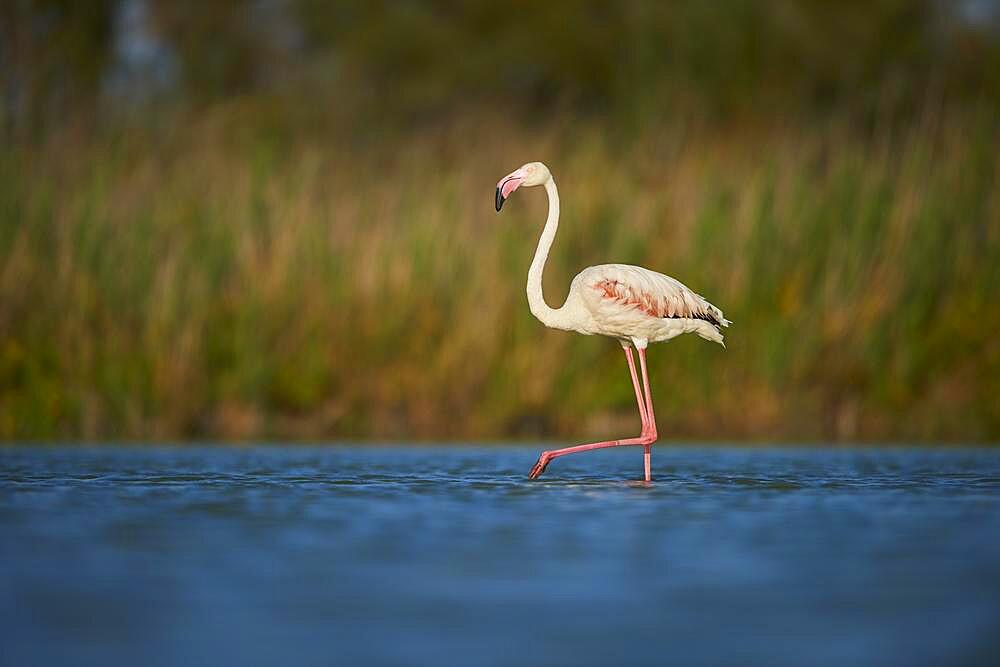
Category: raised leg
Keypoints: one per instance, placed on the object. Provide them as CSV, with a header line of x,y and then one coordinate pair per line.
x,y
547,456
646,438
650,417
639,399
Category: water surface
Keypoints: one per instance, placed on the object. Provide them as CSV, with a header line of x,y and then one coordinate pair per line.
x,y
449,556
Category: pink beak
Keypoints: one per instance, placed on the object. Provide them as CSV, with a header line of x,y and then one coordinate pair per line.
x,y
507,185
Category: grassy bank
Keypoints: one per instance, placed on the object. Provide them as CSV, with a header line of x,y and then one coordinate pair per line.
x,y
216,278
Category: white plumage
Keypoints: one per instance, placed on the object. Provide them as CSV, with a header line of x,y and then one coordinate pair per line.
x,y
630,302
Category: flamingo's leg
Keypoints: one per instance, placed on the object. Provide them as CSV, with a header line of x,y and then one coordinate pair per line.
x,y
647,436
547,456
650,433
650,417
638,389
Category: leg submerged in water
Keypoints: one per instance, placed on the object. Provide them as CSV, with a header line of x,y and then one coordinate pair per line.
x,y
646,438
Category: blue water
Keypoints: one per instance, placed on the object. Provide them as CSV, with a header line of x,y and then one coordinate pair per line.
x,y
449,556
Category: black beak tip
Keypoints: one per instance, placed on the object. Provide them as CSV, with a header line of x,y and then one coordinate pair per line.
x,y
500,200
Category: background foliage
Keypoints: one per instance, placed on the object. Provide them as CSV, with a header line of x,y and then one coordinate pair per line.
x,y
274,219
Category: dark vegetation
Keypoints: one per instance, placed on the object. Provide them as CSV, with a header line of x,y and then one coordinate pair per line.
x,y
274,219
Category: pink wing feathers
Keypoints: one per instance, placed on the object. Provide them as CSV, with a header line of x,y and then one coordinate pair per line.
x,y
652,293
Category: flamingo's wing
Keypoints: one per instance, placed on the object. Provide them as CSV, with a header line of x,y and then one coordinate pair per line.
x,y
618,287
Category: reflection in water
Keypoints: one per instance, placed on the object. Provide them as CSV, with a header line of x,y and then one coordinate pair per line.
x,y
449,556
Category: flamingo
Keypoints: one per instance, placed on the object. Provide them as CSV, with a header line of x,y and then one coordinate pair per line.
x,y
633,304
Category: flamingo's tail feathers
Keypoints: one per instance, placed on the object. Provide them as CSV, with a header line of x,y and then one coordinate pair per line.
x,y
710,332
717,315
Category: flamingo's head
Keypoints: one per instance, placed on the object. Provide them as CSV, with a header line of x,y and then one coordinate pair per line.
x,y
533,173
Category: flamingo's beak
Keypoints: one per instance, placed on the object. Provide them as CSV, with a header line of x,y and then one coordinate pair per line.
x,y
508,184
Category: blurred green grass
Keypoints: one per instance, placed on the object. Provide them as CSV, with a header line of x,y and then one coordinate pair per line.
x,y
217,277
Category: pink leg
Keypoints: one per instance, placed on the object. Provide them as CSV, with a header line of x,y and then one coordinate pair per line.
x,y
647,437
650,433
638,389
547,456
650,417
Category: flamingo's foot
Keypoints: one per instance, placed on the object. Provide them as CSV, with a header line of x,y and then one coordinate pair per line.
x,y
539,466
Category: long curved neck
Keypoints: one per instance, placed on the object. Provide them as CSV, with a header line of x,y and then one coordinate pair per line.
x,y
536,301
